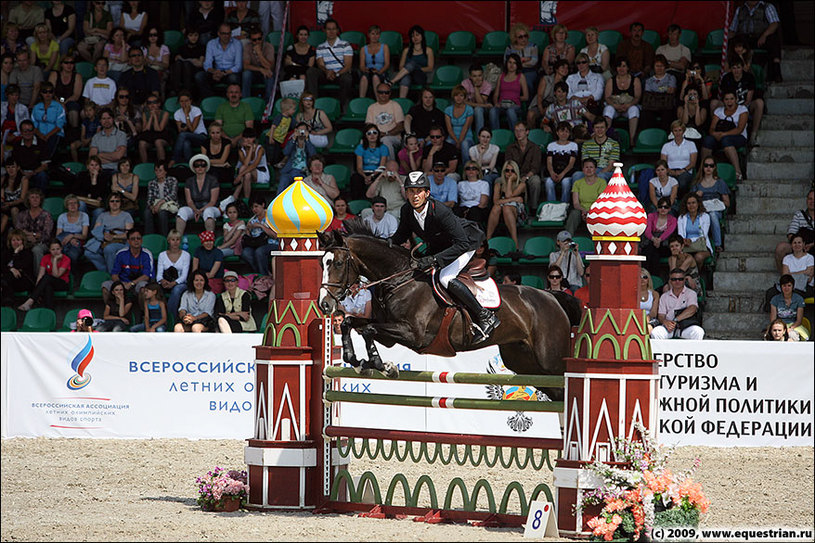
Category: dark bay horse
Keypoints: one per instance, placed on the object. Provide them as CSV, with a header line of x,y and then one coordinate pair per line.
x,y
533,337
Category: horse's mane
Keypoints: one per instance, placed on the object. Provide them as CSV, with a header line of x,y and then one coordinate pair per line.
x,y
356,227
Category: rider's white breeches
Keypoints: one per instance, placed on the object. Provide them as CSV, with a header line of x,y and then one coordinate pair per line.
x,y
454,268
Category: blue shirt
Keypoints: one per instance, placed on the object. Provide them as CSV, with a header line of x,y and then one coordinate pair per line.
x,y
446,192
230,58
787,313
46,120
128,267
371,158
458,122
207,260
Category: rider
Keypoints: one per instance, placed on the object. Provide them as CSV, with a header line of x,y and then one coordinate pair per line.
x,y
451,241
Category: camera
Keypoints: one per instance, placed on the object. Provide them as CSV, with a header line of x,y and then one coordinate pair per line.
x,y
693,73
87,322
301,132
389,173
572,245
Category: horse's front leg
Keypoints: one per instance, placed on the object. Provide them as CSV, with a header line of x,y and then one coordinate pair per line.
x,y
348,355
375,361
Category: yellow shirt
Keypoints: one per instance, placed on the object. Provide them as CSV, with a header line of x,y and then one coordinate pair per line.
x,y
43,58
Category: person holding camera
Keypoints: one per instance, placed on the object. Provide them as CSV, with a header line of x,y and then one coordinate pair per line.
x,y
388,184
567,258
298,151
84,321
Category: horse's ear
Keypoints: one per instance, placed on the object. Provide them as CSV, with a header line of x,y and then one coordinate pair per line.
x,y
325,239
338,239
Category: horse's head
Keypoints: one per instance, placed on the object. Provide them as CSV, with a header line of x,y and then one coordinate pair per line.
x,y
339,271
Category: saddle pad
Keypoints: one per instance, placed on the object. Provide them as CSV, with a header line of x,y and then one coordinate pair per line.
x,y
486,292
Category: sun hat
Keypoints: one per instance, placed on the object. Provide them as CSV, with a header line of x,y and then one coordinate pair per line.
x,y
196,158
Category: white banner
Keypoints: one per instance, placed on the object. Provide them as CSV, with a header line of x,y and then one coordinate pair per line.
x,y
735,393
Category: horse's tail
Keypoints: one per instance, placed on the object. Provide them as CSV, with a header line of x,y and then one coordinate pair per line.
x,y
570,304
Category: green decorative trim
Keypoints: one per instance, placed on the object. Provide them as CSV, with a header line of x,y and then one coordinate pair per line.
x,y
312,307
485,485
543,487
457,483
269,328
614,343
628,341
610,317
368,476
343,476
519,490
583,337
293,328
648,353
642,327
425,481
398,479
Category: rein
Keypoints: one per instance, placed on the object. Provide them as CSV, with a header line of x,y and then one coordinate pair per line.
x,y
347,288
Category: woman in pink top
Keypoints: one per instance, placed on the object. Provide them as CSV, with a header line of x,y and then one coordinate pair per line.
x,y
660,226
510,91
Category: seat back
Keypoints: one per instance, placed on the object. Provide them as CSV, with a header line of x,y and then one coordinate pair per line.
x,y
316,37
611,39
576,38
91,284
393,40
341,173
40,319
432,39
70,317
357,109
274,38
495,43
330,105
258,105
534,281
652,37
54,205
355,206
405,103
539,246
146,172
86,70
155,243
171,104
346,140
503,245
8,319
539,38
502,137
447,77
354,37
540,137
460,42
690,39
209,105
173,39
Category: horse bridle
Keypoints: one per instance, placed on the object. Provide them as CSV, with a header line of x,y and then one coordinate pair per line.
x,y
347,287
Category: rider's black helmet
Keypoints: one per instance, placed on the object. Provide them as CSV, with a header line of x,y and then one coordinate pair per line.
x,y
417,180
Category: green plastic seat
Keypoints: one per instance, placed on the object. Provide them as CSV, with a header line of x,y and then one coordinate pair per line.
x,y
258,105
74,167
354,37
690,39
406,104
576,38
433,41
357,109
545,224
727,173
193,243
459,44
146,172
584,244
494,44
541,138
69,318
539,247
658,282
274,38
316,37
209,105
155,243
446,77
40,319
442,103
355,206
624,139
502,137
650,141
611,39
345,141
341,173
652,37
393,40
758,72
713,42
54,205
633,182
504,246
65,294
173,39
534,281
171,104
330,105
539,38
86,70
91,284
8,319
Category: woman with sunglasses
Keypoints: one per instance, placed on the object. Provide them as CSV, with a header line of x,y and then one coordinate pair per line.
x,y
201,194
68,86
558,49
96,26
371,155
728,130
155,130
127,117
133,20
649,298
684,261
218,149
693,225
528,52
374,61
555,280
61,22
48,117
660,226
126,183
156,53
715,195
473,194
508,201
598,53
317,120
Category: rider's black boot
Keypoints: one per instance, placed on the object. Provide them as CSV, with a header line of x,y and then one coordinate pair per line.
x,y
484,320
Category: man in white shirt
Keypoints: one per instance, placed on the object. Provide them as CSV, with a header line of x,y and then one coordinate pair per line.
x,y
383,225
101,90
388,116
585,84
677,304
333,64
678,55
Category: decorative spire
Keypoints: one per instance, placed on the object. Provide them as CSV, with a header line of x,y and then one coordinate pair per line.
x,y
299,211
617,212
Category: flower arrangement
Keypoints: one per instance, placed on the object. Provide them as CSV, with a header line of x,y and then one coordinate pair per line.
x,y
644,495
219,485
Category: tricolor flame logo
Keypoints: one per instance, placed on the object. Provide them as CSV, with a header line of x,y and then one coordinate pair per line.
x,y
79,364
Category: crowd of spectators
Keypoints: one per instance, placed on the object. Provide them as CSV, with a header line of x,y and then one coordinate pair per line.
x,y
221,168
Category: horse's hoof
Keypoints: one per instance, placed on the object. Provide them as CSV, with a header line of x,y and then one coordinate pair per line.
x,y
391,370
366,372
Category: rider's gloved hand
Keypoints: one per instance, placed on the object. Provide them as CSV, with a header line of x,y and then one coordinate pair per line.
x,y
425,262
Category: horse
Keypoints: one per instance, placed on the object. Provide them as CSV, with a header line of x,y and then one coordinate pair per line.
x,y
533,337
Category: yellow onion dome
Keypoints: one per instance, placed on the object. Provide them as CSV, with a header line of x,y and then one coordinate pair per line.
x,y
299,211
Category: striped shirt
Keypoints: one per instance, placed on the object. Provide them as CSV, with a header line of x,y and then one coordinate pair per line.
x,y
605,154
799,221
340,49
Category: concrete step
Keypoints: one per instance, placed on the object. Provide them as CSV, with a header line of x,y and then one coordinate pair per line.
x,y
781,170
751,242
757,224
734,302
781,154
791,106
730,335
798,53
786,122
743,281
794,89
787,137
802,184
732,261
770,190
747,207
724,324
796,70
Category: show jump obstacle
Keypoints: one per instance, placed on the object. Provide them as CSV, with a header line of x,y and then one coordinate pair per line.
x,y
297,458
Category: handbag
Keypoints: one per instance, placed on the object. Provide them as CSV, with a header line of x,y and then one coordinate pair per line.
x,y
714,204
553,211
693,320
725,125
253,242
169,206
657,101
292,88
698,245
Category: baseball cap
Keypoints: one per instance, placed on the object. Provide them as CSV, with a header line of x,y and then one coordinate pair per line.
x,y
564,235
230,273
84,313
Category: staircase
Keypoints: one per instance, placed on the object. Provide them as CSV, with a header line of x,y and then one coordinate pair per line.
x,y
779,173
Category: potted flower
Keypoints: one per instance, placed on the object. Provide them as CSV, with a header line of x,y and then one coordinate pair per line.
x,y
643,494
222,490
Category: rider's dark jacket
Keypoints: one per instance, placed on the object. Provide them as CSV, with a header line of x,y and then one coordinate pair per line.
x,y
447,236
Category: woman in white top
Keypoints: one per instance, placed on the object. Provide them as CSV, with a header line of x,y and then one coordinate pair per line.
x,y
599,55
485,154
662,186
693,225
134,21
173,257
800,264
251,167
473,194
730,134
649,298
189,123
680,154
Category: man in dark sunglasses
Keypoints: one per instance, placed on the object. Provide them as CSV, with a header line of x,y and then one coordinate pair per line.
x,y
141,80
676,309
438,150
258,64
388,116
451,243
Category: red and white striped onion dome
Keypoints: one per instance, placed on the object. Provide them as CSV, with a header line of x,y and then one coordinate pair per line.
x,y
617,212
